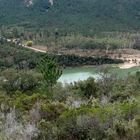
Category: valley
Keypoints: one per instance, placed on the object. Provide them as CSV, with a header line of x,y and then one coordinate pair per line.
x,y
69,69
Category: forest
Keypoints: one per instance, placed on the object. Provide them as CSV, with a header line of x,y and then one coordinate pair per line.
x,y
79,16
14,56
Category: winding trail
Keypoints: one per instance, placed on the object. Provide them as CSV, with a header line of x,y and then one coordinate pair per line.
x,y
21,45
32,48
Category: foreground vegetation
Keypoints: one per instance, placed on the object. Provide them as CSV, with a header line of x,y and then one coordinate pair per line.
x,y
33,106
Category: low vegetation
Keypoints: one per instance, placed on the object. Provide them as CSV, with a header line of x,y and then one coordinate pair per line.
x,y
33,106
29,43
105,109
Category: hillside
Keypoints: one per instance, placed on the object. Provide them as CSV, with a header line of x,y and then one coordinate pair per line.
x,y
35,107
69,69
72,15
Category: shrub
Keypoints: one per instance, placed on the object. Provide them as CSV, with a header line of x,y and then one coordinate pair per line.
x,y
29,43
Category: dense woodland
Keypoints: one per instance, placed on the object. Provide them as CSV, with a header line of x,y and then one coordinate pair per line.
x,y
88,16
89,24
33,105
57,41
17,57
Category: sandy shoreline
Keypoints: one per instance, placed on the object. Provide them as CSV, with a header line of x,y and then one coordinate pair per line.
x,y
127,65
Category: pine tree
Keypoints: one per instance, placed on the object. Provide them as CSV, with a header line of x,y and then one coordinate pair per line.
x,y
50,71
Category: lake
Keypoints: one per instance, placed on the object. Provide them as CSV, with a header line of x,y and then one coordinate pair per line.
x,y
71,75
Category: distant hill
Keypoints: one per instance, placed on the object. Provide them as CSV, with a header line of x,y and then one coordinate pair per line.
x,y
72,15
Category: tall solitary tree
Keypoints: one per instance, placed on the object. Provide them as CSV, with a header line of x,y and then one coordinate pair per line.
x,y
50,71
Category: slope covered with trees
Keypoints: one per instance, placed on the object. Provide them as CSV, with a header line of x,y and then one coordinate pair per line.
x,y
72,15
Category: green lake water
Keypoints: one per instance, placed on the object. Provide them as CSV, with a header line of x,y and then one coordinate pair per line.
x,y
71,75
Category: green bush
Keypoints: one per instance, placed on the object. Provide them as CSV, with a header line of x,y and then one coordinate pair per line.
x,y
29,43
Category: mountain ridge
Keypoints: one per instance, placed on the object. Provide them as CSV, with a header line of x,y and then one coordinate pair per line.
x,y
78,15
